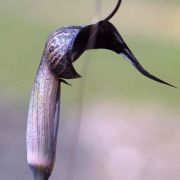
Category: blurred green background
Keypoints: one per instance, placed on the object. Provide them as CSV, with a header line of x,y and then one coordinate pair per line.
x,y
151,29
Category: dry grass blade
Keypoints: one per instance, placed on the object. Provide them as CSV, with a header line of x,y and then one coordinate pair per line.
x,y
80,96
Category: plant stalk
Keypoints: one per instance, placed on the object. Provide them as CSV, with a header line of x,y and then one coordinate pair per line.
x,y
40,176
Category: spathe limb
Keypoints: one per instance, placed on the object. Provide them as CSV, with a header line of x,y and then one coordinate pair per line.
x,y
107,37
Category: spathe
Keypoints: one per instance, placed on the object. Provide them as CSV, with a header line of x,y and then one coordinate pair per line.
x,y
102,35
65,45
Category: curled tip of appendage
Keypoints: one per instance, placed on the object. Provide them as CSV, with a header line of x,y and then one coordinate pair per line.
x,y
114,11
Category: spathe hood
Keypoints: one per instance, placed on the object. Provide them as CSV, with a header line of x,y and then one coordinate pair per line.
x,y
104,35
